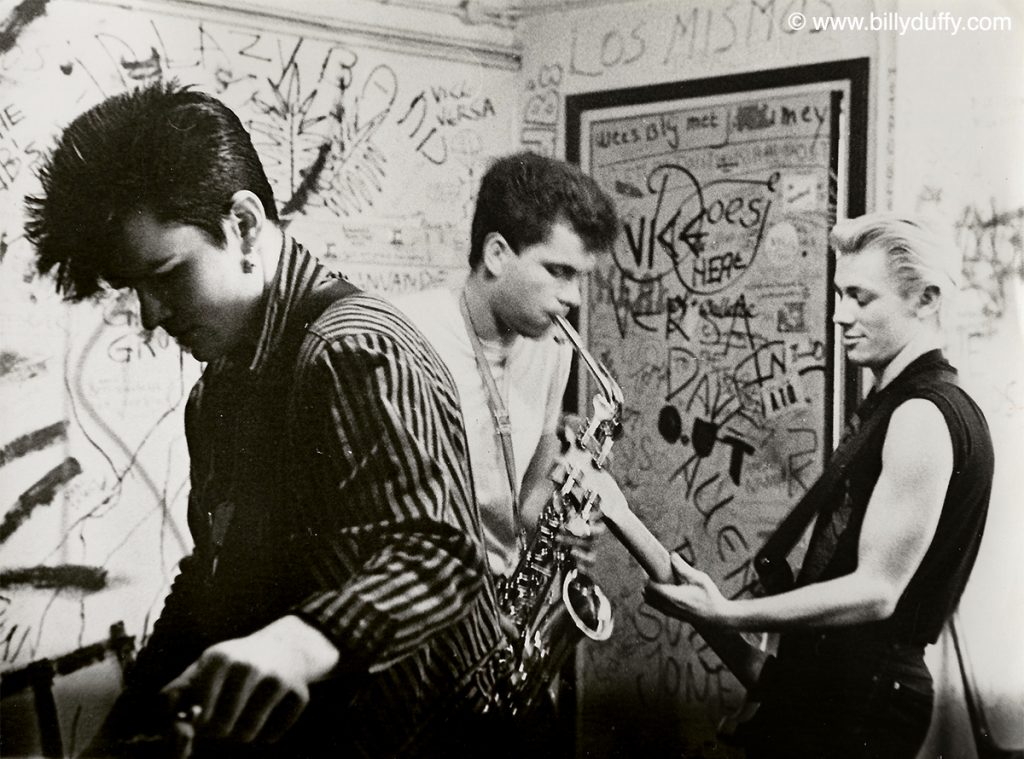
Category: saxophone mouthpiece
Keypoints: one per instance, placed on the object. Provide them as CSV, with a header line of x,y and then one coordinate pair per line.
x,y
609,387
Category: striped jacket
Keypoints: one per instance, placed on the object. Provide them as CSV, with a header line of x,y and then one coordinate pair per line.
x,y
330,480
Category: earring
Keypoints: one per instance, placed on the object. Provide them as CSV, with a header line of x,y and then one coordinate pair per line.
x,y
247,266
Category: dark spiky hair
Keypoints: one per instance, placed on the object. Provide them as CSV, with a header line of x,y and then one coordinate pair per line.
x,y
165,148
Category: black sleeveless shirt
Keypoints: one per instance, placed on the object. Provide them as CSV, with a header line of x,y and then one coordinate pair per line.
x,y
935,589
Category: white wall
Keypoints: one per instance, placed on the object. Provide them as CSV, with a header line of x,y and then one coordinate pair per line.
x,y
958,156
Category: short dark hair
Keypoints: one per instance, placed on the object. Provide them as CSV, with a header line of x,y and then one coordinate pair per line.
x,y
523,195
164,148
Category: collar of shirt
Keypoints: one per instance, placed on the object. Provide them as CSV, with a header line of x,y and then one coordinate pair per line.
x,y
929,361
298,272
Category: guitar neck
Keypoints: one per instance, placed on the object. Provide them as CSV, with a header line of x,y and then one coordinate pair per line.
x,y
742,659
641,544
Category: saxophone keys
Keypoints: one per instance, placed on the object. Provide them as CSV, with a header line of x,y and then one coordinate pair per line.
x,y
558,472
591,432
603,409
602,456
592,500
573,477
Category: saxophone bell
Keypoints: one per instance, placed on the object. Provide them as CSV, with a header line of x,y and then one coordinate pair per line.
x,y
588,606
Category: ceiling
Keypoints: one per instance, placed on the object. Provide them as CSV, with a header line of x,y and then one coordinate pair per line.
x,y
526,7
508,11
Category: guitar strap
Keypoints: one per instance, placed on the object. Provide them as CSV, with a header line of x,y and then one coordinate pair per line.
x,y
985,743
770,562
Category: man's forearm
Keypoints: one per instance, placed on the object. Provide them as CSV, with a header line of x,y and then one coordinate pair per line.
x,y
847,600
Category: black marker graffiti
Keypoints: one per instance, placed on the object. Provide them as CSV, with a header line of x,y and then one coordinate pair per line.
x,y
64,576
13,635
34,441
708,247
992,242
433,115
23,14
41,493
540,117
353,176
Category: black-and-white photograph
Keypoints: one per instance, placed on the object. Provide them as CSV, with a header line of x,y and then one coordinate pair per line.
x,y
570,379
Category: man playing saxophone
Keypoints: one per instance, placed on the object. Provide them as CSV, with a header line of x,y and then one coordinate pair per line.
x,y
537,227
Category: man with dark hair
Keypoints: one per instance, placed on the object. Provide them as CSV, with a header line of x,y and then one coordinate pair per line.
x,y
897,531
537,227
338,599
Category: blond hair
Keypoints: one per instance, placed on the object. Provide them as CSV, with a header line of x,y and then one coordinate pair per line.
x,y
918,255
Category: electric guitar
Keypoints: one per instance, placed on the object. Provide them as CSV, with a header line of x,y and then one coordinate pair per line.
x,y
595,486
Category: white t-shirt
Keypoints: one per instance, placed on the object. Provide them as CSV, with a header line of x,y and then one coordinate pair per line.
x,y
531,376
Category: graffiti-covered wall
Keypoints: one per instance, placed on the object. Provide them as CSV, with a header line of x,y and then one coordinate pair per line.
x,y
711,313
373,155
945,115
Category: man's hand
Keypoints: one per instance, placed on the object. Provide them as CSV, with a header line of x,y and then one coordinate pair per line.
x,y
254,688
693,598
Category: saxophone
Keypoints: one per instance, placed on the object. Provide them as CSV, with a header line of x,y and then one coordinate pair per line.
x,y
553,604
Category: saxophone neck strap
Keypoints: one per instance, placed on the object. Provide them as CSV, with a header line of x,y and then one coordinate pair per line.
x,y
499,413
